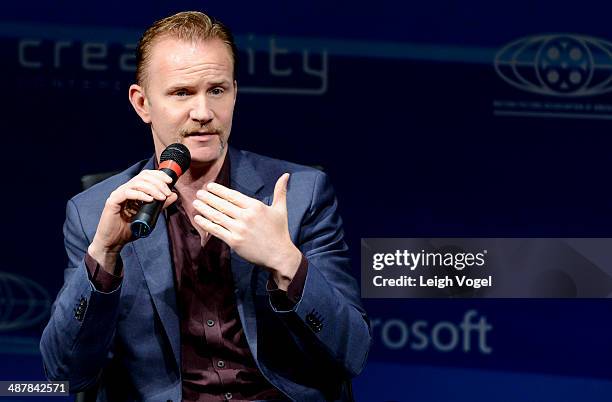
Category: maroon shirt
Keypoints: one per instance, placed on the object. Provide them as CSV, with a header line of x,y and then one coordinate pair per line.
x,y
216,363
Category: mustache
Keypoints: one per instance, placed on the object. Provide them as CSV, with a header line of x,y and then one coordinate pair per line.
x,y
198,131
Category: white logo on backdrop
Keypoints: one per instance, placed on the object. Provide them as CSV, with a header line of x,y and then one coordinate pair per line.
x,y
23,302
562,65
270,68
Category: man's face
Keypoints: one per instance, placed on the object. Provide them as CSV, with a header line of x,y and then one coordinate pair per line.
x,y
189,97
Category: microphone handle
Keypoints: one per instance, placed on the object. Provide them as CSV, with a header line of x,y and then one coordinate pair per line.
x,y
144,221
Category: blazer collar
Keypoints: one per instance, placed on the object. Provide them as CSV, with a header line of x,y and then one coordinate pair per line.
x,y
243,175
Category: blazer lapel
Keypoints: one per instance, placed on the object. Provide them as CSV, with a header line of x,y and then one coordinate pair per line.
x,y
245,179
153,254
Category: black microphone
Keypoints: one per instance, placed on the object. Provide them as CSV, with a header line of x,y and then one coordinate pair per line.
x,y
174,161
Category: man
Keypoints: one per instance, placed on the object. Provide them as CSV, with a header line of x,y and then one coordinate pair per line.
x,y
241,292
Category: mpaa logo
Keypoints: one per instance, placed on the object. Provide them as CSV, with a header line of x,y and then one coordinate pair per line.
x,y
561,65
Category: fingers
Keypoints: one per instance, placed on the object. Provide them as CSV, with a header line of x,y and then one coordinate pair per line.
x,y
280,190
230,195
220,204
149,189
158,179
147,186
214,215
132,194
157,174
170,200
214,229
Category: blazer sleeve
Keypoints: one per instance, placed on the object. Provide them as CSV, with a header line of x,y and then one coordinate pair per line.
x,y
329,312
77,340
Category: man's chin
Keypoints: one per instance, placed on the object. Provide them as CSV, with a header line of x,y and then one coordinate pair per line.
x,y
206,156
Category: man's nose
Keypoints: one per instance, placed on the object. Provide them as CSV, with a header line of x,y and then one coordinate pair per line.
x,y
200,110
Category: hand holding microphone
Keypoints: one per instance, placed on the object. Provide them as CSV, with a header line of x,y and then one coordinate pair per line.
x,y
173,162
126,218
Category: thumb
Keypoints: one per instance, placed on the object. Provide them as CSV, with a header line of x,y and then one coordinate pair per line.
x,y
280,191
170,200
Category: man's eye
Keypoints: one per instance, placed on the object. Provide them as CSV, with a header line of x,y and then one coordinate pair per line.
x,y
181,92
216,91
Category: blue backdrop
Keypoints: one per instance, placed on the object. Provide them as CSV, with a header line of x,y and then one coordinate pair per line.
x,y
441,118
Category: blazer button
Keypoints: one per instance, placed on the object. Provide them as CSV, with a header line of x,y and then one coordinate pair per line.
x,y
220,364
314,321
80,309
78,313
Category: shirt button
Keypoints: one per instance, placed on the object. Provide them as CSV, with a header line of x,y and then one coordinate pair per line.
x,y
228,395
210,323
220,364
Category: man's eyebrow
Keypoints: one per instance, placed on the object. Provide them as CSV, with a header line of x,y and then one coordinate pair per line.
x,y
215,83
218,83
180,85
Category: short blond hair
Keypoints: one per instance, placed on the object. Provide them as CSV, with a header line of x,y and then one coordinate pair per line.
x,y
188,26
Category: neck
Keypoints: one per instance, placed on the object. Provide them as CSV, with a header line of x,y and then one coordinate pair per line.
x,y
199,175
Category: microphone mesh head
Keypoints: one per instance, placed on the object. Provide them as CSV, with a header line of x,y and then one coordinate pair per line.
x,y
178,153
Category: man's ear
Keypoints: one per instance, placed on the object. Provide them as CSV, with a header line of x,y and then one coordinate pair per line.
x,y
235,90
139,102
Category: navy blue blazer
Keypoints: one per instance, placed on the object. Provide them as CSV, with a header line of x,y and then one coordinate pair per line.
x,y
128,341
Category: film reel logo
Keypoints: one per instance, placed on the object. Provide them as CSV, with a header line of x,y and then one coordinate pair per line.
x,y
23,302
561,65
